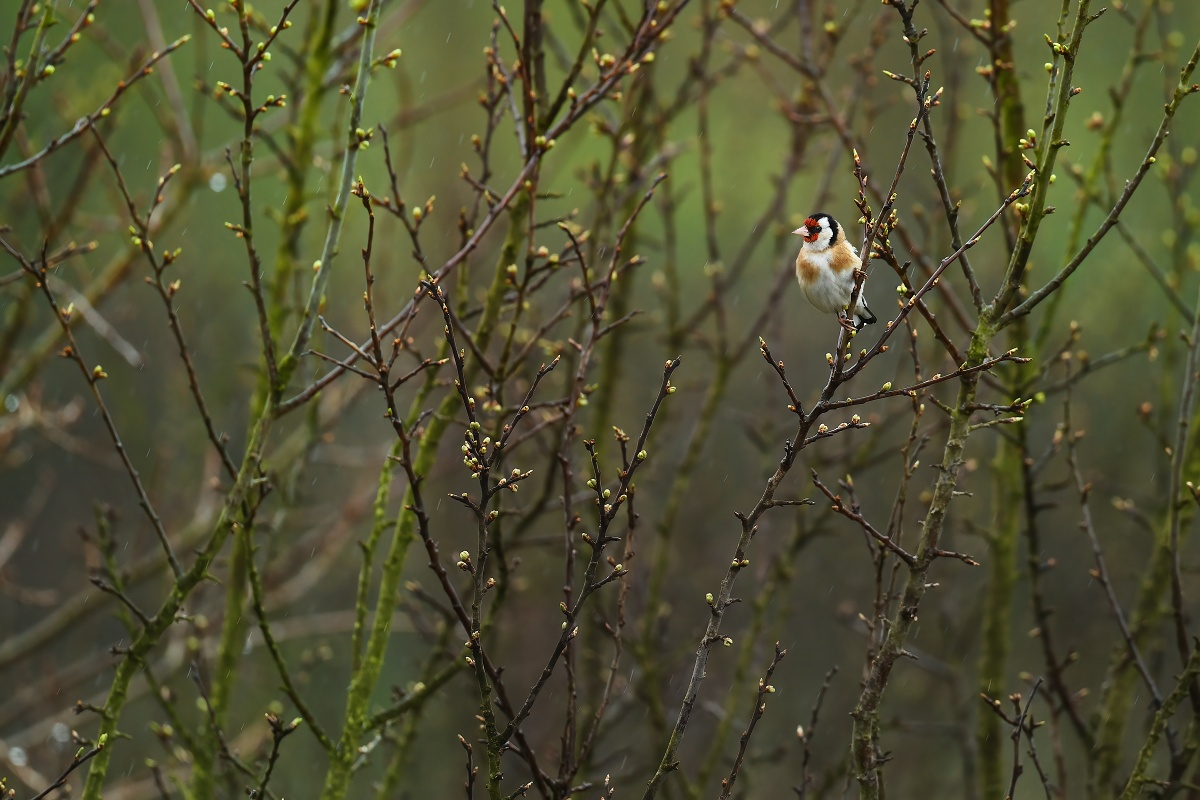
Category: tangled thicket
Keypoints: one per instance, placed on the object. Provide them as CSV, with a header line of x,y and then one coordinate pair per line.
x,y
316,485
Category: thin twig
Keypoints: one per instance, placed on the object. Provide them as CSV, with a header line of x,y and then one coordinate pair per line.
x,y
760,706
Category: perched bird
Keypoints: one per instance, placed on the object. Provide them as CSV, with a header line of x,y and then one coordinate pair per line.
x,y
826,267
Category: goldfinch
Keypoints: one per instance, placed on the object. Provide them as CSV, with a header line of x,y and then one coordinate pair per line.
x,y
826,267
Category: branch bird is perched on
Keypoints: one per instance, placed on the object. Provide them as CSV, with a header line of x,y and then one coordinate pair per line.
x,y
826,269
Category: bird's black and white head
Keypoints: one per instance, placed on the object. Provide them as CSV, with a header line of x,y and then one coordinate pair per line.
x,y
820,231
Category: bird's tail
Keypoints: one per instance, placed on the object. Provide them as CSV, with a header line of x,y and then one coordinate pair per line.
x,y
864,317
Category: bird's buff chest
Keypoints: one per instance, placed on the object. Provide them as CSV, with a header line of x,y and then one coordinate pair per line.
x,y
826,278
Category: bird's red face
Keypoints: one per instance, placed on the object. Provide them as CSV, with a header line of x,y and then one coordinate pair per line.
x,y
814,229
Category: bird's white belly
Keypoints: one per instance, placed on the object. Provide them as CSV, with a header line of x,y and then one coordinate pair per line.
x,y
829,292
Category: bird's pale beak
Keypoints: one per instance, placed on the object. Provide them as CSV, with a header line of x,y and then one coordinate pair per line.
x,y
809,234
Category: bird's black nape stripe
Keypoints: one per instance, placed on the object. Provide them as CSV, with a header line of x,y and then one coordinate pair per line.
x,y
833,226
